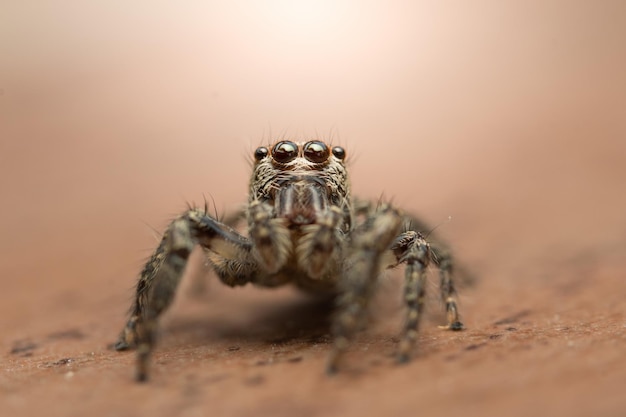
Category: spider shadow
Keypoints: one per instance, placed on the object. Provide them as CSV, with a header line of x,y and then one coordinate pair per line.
x,y
255,317
299,318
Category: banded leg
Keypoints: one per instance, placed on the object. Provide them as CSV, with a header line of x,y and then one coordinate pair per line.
x,y
443,259
362,267
320,247
271,237
160,277
198,286
411,248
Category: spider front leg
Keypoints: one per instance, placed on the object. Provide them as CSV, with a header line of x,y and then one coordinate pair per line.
x,y
365,252
160,277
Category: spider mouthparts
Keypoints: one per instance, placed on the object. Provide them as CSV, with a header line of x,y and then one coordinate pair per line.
x,y
301,201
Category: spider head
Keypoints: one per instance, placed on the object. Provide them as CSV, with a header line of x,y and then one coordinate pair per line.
x,y
300,179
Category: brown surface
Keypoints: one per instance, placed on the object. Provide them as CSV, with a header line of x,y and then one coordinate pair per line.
x,y
510,120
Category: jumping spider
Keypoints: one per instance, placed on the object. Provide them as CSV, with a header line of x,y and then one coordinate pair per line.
x,y
303,228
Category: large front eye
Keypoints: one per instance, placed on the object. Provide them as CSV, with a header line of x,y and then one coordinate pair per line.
x,y
284,151
316,151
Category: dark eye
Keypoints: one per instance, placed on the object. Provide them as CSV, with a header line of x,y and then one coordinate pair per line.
x,y
284,151
316,151
260,153
339,152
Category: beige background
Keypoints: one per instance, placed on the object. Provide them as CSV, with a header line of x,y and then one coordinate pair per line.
x,y
509,117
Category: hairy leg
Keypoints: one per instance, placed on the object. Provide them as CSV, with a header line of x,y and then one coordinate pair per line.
x,y
270,235
416,253
441,256
320,247
160,277
411,249
368,243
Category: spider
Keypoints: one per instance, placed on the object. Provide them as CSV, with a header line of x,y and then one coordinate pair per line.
x,y
304,229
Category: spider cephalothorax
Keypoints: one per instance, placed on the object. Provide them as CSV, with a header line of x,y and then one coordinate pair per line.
x,y
302,229
304,189
302,180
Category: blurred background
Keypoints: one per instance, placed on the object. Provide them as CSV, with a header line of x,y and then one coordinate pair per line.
x,y
507,116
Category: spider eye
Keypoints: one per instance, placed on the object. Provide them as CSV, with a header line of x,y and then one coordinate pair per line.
x,y
316,151
339,152
260,153
284,151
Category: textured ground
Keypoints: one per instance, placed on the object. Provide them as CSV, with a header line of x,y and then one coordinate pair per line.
x,y
524,149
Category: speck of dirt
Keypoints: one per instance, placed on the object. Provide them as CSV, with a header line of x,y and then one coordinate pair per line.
x,y
513,318
233,348
61,362
214,379
23,347
254,380
67,334
475,346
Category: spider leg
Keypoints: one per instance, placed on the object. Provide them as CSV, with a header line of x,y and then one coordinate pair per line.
x,y
441,256
443,259
365,252
320,246
413,250
198,286
272,241
160,276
